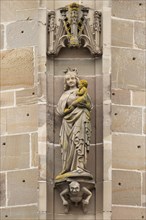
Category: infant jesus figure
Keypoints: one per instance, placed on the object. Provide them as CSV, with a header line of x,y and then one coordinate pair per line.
x,y
82,100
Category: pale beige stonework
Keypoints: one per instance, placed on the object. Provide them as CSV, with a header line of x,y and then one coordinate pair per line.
x,y
17,68
126,213
7,99
126,188
140,35
14,152
121,96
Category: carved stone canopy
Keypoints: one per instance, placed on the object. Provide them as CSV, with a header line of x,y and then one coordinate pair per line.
x,y
71,27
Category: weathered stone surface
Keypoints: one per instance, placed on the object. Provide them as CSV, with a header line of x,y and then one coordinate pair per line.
x,y
107,196
42,167
128,69
22,119
107,162
139,98
128,152
127,119
129,9
98,162
3,119
121,96
2,189
122,33
14,151
140,35
42,197
42,118
126,188
79,216
17,68
144,189
42,64
26,96
22,187
1,36
41,90
25,33
9,8
27,14
34,150
6,99
26,212
144,122
125,213
84,67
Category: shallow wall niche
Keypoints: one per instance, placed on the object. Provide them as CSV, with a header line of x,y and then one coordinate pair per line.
x,y
67,49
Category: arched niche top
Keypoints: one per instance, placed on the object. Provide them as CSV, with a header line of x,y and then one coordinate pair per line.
x,y
72,27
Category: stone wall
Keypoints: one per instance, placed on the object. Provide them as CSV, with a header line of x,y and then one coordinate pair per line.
x,y
19,110
128,109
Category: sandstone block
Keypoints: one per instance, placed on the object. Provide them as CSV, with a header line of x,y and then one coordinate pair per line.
x,y
22,119
139,98
3,119
121,96
25,34
2,189
140,35
107,162
122,33
6,99
134,10
14,213
41,90
27,14
9,8
42,118
34,150
128,152
98,162
42,167
124,213
144,183
14,152
26,96
42,197
127,119
144,122
17,68
126,188
107,196
128,69
1,36
22,187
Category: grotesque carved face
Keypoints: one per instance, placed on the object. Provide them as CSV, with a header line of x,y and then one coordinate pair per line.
x,y
74,187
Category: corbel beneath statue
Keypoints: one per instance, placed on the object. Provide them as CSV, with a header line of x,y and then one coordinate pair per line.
x,y
71,26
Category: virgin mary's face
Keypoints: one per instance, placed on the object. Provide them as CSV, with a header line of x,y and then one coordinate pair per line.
x,y
71,80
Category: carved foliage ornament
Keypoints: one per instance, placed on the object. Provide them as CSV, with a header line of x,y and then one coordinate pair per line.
x,y
74,29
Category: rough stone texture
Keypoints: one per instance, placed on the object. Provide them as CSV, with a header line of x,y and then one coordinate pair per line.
x,y
27,14
22,184
127,119
122,33
139,98
2,190
22,119
1,36
129,9
9,8
42,119
3,114
144,122
14,151
15,213
17,68
25,34
125,213
126,188
120,96
26,96
42,195
6,99
34,150
128,69
128,152
140,34
144,189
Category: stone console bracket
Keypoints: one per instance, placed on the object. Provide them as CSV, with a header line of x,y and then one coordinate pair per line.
x,y
70,27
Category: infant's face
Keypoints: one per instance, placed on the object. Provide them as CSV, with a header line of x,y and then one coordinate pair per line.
x,y
71,80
